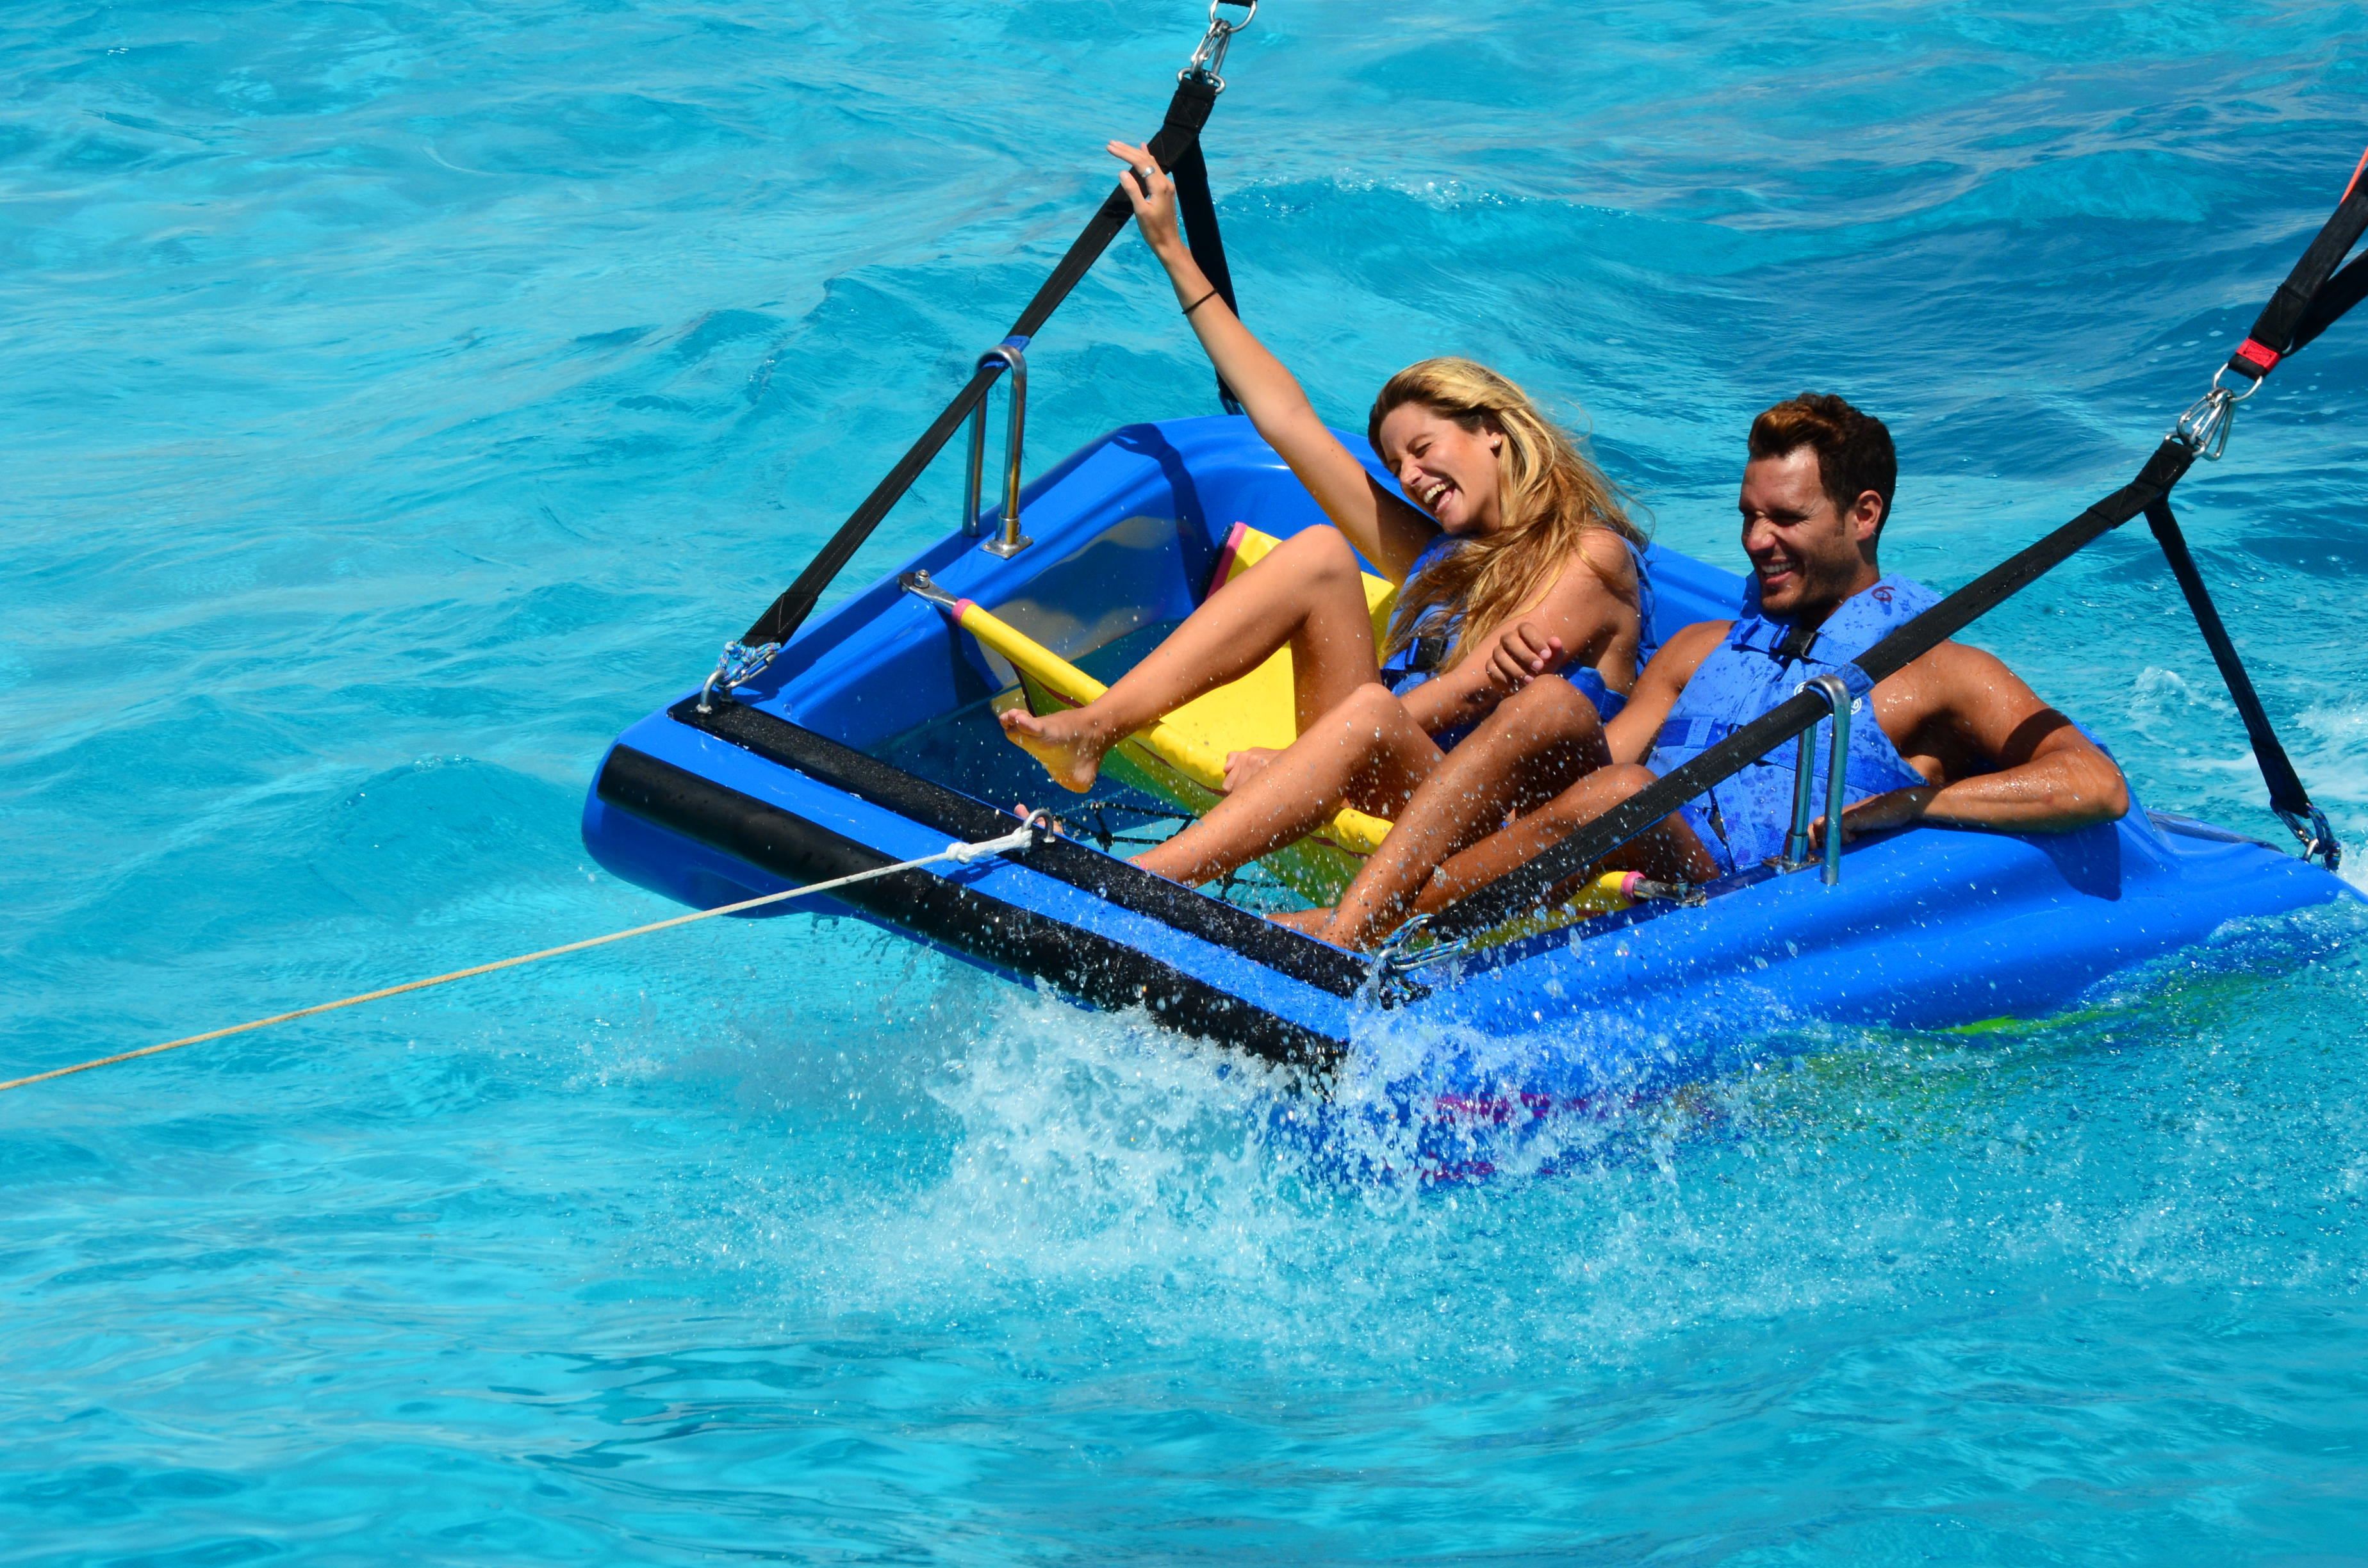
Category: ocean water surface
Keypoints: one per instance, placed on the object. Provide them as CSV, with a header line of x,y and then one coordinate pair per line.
x,y
401,399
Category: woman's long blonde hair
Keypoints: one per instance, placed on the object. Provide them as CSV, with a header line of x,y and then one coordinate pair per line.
x,y
1549,494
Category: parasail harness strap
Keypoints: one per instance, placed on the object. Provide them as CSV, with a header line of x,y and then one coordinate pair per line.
x,y
2287,796
1198,208
1177,146
2313,297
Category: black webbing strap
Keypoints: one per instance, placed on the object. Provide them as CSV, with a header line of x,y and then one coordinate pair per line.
x,y
2304,305
1188,111
2287,796
1199,210
1523,889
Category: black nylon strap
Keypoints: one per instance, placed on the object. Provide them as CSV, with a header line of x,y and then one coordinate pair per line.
x,y
1188,111
2342,291
1199,210
2279,328
1523,889
2287,796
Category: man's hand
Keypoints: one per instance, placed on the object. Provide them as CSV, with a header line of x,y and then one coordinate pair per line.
x,y
1521,653
1895,808
1241,766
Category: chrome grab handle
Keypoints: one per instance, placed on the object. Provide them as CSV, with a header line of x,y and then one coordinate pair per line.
x,y
1010,541
1837,697
1796,841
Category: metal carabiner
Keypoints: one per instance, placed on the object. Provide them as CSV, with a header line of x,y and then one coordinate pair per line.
x,y
739,665
2204,428
2317,838
1210,58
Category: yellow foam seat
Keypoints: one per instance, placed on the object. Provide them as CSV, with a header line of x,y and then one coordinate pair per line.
x,y
1180,759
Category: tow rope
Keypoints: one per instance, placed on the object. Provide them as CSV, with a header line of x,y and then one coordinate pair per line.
x,y
1022,837
2313,297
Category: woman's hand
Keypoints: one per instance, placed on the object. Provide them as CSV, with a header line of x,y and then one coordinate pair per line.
x,y
1241,766
1153,194
1386,529
1521,653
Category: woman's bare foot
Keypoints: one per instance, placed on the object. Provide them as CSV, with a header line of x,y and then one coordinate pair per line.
x,y
1070,743
1311,921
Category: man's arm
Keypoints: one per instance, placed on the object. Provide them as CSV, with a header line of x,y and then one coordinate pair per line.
x,y
1960,709
1632,730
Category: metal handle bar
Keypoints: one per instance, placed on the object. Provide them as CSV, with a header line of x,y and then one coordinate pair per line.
x,y
1797,842
1010,541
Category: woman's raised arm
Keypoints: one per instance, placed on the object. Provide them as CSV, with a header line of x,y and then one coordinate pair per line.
x,y
1385,530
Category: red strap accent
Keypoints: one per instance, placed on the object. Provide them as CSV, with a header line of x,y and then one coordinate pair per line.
x,y
2355,179
2259,354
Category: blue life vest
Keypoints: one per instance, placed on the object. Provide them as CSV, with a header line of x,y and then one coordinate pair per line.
x,y
1742,821
1419,659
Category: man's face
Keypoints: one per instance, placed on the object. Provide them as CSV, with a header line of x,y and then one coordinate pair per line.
x,y
1808,554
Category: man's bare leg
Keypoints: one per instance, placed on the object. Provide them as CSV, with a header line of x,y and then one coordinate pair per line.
x,y
1308,593
1537,742
1367,751
1670,850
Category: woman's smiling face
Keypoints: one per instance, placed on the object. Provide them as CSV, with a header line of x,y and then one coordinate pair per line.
x,y
1447,470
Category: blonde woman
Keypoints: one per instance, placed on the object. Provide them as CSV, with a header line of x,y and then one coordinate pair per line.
x,y
1514,561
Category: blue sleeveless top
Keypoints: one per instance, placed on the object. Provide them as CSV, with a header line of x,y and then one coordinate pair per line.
x,y
1742,821
1419,660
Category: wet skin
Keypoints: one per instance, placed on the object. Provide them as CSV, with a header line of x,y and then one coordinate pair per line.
x,y
1358,744
1993,754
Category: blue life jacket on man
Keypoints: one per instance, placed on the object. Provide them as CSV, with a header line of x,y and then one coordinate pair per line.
x,y
1744,820
1419,659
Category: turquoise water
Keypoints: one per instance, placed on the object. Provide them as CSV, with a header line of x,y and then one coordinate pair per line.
x,y
402,399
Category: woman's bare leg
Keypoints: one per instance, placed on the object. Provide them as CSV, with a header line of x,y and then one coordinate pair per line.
x,y
1670,851
1367,751
1308,593
1537,742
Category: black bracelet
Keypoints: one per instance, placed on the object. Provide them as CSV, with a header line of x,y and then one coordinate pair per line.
x,y
1201,301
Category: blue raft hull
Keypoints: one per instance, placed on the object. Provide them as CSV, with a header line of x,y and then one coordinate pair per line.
x,y
868,741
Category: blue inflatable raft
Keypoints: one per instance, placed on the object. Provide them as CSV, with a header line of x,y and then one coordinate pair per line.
x,y
869,738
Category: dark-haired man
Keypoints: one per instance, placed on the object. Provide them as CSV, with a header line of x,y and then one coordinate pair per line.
x,y
1957,736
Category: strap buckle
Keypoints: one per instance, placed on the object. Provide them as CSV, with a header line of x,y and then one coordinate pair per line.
x,y
1210,58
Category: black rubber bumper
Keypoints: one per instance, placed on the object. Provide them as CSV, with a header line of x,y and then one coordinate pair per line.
x,y
1080,963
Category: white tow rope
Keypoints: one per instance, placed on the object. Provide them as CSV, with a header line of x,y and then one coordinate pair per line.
x,y
959,854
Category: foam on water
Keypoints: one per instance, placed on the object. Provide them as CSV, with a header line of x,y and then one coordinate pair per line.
x,y
402,400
